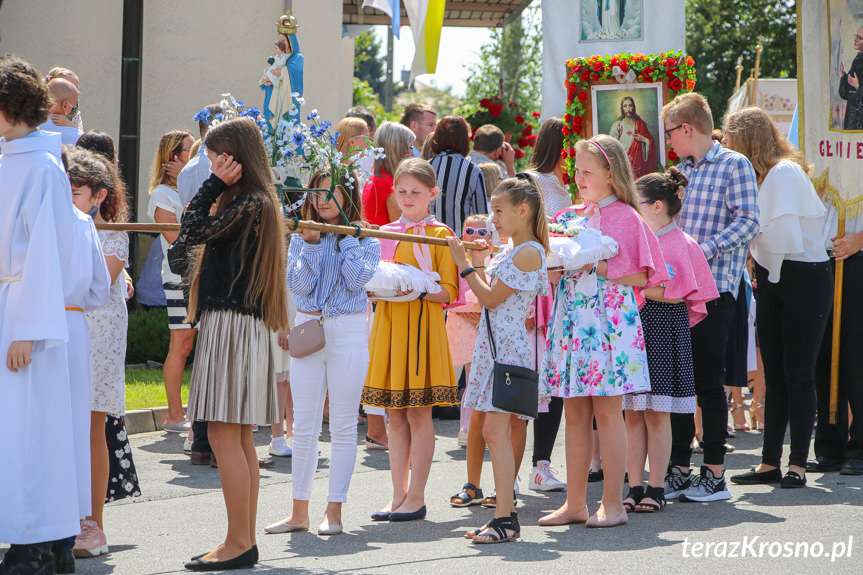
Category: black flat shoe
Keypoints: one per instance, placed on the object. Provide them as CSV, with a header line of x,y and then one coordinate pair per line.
x,y
64,561
757,477
824,464
418,514
594,476
381,516
852,467
793,480
242,561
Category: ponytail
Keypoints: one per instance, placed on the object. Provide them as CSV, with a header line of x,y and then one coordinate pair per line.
x,y
522,190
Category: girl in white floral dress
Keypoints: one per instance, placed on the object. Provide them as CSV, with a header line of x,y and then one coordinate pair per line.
x,y
515,277
98,190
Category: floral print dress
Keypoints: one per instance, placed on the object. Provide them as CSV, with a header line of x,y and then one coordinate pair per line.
x,y
595,337
507,325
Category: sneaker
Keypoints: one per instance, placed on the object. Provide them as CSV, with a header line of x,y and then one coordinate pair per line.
x,y
280,448
706,487
91,542
180,427
542,478
676,482
187,446
462,438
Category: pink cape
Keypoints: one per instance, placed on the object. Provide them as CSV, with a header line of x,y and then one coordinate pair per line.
x,y
638,248
693,281
388,252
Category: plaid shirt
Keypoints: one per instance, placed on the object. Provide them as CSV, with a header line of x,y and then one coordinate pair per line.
x,y
720,211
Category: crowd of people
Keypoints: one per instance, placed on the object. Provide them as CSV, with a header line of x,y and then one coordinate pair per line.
x,y
635,351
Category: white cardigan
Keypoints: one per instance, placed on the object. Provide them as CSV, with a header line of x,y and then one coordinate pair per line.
x,y
792,217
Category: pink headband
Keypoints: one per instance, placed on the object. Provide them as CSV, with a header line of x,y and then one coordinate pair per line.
x,y
598,147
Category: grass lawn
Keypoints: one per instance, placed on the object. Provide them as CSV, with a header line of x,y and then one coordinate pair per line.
x,y
145,388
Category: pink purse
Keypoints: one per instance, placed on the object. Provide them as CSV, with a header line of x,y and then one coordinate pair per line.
x,y
308,337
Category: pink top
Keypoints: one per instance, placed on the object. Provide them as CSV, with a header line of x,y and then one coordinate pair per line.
x,y
422,252
638,248
693,281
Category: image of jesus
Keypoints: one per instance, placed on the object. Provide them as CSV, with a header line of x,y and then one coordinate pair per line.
x,y
636,138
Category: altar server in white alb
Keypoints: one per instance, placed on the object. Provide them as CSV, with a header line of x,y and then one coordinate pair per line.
x,y
38,486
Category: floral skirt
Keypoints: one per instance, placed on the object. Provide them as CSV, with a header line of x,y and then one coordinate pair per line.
x,y
595,341
123,479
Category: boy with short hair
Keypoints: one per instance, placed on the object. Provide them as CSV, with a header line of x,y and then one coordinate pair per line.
x,y
721,213
38,487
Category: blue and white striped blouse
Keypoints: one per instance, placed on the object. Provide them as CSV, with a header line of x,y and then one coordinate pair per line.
x,y
315,270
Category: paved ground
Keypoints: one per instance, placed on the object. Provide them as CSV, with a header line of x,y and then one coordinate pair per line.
x,y
182,513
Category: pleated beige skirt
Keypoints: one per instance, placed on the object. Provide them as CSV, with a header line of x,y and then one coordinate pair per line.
x,y
233,377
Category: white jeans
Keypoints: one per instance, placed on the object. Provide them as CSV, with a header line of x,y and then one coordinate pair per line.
x,y
340,368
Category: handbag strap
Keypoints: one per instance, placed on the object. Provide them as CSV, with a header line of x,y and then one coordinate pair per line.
x,y
490,336
330,302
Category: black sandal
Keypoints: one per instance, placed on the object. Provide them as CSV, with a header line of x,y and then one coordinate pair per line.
x,y
636,494
474,532
465,499
498,530
655,493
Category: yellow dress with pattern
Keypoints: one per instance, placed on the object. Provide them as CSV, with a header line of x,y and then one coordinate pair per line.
x,y
409,358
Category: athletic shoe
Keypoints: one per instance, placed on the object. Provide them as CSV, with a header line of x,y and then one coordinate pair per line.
x,y
179,427
462,438
280,448
187,446
706,487
676,482
542,478
91,541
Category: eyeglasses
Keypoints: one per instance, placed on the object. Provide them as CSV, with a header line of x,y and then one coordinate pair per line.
x,y
668,132
481,232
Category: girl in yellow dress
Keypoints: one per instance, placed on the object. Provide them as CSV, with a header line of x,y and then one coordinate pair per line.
x,y
410,369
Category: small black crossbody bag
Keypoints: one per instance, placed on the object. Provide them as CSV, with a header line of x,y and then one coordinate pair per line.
x,y
514,388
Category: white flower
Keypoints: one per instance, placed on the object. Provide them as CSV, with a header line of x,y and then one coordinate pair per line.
x,y
122,435
124,463
118,453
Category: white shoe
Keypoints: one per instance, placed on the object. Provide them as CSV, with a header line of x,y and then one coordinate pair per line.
x,y
542,478
462,438
187,445
280,449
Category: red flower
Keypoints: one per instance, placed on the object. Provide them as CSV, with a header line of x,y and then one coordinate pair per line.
x,y
528,130
585,75
567,118
670,63
570,90
519,154
519,119
690,85
566,180
675,84
495,110
598,67
649,70
576,68
522,142
577,124
595,76
690,61
565,131
670,73
672,156
582,96
513,105
624,66
484,103
531,140
536,114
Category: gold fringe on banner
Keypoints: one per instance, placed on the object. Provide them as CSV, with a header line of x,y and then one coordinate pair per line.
x,y
847,209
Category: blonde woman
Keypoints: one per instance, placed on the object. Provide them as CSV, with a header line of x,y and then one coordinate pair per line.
x,y
165,208
379,204
352,138
491,172
795,292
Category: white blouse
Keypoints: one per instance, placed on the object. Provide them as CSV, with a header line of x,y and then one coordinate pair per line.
x,y
792,220
555,196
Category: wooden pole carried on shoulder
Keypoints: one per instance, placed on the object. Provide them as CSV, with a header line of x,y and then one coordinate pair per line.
x,y
837,326
301,225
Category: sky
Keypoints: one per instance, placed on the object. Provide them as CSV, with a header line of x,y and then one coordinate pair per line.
x,y
459,48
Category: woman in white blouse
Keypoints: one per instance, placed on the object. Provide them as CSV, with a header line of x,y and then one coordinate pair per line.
x,y
794,290
547,167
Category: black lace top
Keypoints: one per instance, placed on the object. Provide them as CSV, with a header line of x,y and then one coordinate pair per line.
x,y
224,280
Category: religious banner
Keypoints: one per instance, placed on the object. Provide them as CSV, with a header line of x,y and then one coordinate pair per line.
x,y
622,95
583,28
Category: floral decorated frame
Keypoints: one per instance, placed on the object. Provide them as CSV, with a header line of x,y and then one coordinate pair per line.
x,y
674,69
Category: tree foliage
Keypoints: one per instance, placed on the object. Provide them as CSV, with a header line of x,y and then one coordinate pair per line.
x,y
718,31
514,55
369,60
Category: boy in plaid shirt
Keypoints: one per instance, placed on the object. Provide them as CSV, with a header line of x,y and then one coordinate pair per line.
x,y
720,212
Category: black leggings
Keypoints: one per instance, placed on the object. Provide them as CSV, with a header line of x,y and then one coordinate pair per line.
x,y
791,317
545,428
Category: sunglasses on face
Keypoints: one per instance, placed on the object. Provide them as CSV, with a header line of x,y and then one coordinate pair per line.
x,y
481,232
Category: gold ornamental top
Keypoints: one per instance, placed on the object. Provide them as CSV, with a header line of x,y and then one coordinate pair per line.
x,y
287,24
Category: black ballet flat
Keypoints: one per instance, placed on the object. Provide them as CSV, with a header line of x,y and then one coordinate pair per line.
x,y
242,561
